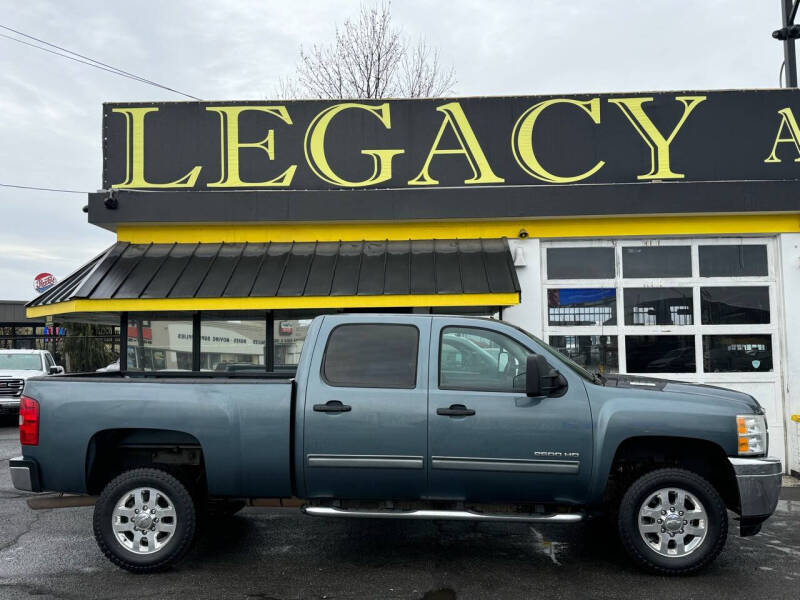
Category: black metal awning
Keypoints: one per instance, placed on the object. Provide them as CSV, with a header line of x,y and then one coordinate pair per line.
x,y
290,269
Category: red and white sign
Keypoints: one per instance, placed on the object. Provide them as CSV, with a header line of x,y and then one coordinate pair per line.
x,y
43,282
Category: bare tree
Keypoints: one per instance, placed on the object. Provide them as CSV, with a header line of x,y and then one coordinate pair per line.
x,y
369,58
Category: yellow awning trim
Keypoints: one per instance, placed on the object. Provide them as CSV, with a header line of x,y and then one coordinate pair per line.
x,y
271,303
594,227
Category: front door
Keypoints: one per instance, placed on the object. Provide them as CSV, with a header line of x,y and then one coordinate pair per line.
x,y
488,440
366,409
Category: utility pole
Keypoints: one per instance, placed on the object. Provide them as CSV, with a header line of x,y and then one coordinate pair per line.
x,y
788,34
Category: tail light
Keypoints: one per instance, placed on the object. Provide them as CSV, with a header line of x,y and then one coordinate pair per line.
x,y
28,421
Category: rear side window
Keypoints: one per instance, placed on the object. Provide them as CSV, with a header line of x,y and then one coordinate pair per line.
x,y
374,356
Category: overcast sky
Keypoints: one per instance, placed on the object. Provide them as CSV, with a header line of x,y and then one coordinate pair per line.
x,y
50,108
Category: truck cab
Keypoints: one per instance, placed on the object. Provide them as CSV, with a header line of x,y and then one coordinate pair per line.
x,y
437,408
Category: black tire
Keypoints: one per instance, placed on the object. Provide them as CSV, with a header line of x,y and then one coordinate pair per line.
x,y
185,527
648,558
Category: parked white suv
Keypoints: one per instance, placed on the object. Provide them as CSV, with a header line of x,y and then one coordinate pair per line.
x,y
16,367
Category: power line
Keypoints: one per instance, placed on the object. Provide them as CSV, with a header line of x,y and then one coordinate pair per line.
x,y
88,60
83,62
76,54
41,189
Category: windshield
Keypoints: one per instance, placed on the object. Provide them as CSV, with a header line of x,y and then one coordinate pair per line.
x,y
20,362
556,354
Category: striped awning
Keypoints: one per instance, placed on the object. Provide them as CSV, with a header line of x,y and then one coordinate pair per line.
x,y
180,276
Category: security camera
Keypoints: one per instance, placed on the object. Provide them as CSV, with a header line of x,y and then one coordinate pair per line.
x,y
523,234
111,202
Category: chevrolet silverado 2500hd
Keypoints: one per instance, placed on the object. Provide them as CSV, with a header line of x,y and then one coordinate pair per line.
x,y
404,417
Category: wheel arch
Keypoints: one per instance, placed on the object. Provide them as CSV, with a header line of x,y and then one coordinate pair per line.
x,y
636,455
111,451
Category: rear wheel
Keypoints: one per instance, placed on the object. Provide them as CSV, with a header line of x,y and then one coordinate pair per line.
x,y
144,520
673,522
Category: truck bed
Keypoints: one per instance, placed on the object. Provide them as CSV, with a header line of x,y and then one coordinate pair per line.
x,y
245,417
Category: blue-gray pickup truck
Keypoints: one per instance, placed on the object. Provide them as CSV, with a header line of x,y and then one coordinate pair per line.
x,y
404,417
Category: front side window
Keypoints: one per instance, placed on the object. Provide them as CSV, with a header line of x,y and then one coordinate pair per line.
x,y
480,360
372,356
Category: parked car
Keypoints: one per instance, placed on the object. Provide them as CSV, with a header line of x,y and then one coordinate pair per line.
x,y
16,367
404,417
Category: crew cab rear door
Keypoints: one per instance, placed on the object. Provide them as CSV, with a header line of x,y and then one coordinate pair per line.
x,y
491,443
366,409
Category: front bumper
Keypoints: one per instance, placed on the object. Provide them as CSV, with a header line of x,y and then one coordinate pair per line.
x,y
25,474
759,483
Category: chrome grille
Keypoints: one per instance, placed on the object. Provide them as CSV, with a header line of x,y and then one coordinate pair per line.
x,y
11,388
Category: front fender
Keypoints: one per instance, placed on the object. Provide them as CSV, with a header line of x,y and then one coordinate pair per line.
x,y
622,414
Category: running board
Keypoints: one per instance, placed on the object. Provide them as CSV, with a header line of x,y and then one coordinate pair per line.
x,y
448,515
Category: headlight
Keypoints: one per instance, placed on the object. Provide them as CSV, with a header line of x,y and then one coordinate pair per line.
x,y
752,431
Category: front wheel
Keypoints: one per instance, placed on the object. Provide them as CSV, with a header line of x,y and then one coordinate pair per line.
x,y
672,522
144,520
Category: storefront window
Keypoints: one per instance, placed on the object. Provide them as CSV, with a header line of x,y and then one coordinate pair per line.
x,y
658,306
233,345
290,334
660,353
597,353
735,305
737,353
582,306
580,263
657,261
675,320
159,344
740,260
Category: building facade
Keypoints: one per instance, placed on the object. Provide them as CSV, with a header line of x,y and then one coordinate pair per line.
x,y
653,234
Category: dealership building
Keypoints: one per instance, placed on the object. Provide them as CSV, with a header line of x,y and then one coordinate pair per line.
x,y
647,233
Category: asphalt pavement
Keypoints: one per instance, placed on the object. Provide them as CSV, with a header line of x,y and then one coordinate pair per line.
x,y
264,554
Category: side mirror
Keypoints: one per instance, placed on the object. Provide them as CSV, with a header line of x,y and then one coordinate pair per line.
x,y
56,370
540,378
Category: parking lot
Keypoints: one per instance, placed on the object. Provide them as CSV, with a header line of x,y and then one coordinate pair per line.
x,y
273,553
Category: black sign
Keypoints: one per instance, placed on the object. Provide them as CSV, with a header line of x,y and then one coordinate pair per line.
x,y
453,142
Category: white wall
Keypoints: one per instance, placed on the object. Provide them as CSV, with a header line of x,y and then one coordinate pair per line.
x,y
528,313
789,248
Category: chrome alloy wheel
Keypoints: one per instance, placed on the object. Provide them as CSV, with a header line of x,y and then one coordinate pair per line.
x,y
144,520
672,522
